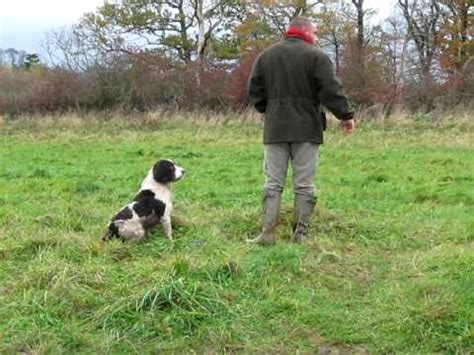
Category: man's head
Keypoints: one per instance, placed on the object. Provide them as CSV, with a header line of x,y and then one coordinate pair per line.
x,y
304,28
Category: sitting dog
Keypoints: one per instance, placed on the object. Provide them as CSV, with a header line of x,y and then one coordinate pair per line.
x,y
151,206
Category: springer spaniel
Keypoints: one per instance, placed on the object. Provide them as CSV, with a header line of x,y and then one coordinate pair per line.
x,y
151,206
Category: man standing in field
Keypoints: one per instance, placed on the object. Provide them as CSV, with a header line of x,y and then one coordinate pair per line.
x,y
289,83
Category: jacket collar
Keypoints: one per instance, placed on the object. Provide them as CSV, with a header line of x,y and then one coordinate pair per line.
x,y
294,38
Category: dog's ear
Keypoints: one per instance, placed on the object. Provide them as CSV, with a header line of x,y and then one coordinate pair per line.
x,y
164,171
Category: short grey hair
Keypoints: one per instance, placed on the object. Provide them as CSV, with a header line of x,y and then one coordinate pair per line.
x,y
301,22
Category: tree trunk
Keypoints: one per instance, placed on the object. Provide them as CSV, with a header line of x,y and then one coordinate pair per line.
x,y
185,50
359,4
336,50
201,43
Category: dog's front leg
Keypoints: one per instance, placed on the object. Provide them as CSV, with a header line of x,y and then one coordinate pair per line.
x,y
166,224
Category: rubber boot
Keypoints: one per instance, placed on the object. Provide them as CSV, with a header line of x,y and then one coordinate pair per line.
x,y
271,212
303,209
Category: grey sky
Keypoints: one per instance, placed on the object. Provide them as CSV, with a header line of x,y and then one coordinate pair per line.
x,y
23,23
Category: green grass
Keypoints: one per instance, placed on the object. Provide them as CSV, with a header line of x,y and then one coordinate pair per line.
x,y
390,269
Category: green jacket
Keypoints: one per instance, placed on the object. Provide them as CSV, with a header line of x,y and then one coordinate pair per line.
x,y
289,82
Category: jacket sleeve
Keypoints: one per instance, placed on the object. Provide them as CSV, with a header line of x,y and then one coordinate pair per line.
x,y
330,90
256,87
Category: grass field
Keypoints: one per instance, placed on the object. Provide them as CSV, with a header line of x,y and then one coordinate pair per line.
x,y
390,269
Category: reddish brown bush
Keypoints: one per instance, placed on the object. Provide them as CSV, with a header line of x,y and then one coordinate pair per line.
x,y
236,92
38,90
146,81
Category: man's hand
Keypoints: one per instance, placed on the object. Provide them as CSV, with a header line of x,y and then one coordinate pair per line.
x,y
347,126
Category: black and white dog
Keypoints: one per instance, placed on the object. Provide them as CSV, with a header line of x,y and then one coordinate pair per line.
x,y
151,206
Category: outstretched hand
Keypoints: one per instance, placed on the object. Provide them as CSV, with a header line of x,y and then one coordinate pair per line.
x,y
348,126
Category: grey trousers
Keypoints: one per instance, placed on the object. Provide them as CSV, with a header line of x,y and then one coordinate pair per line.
x,y
303,157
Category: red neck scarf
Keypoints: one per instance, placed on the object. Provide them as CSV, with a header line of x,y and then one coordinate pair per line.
x,y
296,32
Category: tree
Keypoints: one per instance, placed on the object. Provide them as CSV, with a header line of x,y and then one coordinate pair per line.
x,y
209,16
69,48
12,57
31,61
456,34
356,57
335,30
181,28
393,47
423,19
359,5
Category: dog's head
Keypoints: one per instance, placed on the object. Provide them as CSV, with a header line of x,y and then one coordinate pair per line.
x,y
166,171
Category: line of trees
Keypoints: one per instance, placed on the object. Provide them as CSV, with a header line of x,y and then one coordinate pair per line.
x,y
194,54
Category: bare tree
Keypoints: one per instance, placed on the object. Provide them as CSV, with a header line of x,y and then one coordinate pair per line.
x,y
67,47
335,30
12,57
393,45
422,18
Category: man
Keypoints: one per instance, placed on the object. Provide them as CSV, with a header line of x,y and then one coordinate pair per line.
x,y
289,82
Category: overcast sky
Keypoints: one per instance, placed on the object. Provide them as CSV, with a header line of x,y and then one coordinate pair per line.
x,y
23,23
